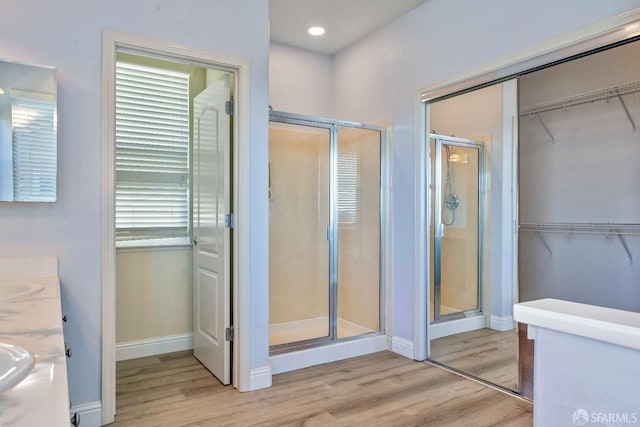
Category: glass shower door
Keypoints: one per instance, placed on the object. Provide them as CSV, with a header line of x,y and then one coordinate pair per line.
x,y
298,219
325,240
358,227
455,287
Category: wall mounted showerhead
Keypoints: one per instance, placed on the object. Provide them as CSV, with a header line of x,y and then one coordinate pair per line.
x,y
451,199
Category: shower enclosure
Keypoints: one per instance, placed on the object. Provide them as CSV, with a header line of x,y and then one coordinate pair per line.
x,y
455,228
325,217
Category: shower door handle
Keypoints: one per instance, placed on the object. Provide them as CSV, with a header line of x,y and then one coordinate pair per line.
x,y
328,231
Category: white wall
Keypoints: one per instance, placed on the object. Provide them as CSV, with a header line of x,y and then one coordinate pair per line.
x,y
379,77
67,35
300,81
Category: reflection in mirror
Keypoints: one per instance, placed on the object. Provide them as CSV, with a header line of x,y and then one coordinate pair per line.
x,y
28,133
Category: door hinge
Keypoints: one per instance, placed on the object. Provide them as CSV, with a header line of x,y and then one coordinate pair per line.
x,y
230,220
229,107
228,333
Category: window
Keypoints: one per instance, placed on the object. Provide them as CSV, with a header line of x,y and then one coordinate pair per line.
x,y
347,188
33,122
152,156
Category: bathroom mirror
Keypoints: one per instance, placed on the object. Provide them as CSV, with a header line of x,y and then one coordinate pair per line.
x,y
28,133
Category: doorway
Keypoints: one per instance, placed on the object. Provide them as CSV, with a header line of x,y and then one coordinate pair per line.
x,y
173,190
213,67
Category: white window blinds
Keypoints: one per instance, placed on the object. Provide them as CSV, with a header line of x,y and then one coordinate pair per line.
x,y
152,154
33,122
347,188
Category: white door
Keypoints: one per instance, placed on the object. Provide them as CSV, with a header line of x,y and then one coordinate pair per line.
x,y
211,250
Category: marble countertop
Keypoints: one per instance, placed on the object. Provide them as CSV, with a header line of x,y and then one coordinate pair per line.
x,y
34,322
599,323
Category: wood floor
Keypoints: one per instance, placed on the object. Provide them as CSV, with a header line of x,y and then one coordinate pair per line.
x,y
484,353
381,389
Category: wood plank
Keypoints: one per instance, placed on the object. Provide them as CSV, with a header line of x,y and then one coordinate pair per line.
x,y
381,389
484,353
526,350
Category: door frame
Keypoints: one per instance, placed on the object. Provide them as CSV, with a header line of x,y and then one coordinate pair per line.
x,y
111,42
599,34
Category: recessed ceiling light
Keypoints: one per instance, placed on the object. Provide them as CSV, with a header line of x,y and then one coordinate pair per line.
x,y
316,31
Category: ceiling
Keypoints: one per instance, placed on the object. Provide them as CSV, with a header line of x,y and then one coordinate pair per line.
x,y
346,21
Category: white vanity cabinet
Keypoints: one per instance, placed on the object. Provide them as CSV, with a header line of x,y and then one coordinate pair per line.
x,y
587,363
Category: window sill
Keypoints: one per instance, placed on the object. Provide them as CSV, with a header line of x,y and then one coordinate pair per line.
x,y
153,248
170,244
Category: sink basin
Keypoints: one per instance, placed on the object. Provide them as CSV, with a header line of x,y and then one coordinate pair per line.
x,y
15,364
10,291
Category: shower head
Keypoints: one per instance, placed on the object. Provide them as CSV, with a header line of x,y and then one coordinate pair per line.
x,y
452,201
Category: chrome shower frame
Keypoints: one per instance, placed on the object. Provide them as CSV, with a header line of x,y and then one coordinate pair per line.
x,y
332,126
439,142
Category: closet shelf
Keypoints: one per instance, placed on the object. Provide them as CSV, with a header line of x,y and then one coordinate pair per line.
x,y
608,228
585,98
583,227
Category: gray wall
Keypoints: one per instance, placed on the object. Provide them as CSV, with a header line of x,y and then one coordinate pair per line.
x,y
67,35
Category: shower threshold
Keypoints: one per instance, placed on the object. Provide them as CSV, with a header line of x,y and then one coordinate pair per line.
x,y
315,327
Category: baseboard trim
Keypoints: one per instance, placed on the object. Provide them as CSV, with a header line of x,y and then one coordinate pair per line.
x,y
402,346
329,353
502,323
260,378
153,346
451,327
89,414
